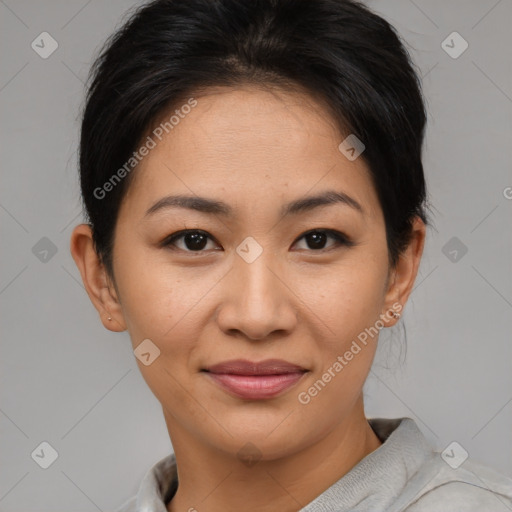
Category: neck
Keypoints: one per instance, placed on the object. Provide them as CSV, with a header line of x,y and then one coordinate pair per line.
x,y
212,480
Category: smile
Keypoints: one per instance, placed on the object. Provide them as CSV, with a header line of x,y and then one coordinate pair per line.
x,y
255,381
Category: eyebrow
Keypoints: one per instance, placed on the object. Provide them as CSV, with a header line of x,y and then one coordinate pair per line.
x,y
216,207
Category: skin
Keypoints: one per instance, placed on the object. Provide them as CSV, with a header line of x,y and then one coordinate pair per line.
x,y
255,149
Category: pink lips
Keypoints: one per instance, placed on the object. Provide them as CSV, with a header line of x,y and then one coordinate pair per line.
x,y
255,380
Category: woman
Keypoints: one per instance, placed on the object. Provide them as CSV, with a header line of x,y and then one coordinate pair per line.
x,y
252,175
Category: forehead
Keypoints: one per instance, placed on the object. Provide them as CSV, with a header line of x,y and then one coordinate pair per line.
x,y
249,144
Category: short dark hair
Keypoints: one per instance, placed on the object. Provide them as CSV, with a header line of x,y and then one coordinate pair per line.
x,y
337,50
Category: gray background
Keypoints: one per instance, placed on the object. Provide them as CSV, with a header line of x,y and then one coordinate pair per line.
x,y
68,381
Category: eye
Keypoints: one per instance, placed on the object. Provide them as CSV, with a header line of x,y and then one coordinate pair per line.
x,y
194,240
317,238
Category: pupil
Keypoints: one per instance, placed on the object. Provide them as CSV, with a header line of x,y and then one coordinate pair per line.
x,y
198,241
318,240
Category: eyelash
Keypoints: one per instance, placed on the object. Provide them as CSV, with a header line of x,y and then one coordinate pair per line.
x,y
340,238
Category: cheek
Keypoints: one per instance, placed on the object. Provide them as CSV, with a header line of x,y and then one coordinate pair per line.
x,y
161,303
156,296
348,301
349,307
348,297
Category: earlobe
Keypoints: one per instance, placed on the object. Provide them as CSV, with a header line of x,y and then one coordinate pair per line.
x,y
405,272
96,281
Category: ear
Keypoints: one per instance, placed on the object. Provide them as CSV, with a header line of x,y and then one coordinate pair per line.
x,y
98,285
402,277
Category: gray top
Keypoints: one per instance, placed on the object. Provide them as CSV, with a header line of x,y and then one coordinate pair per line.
x,y
403,474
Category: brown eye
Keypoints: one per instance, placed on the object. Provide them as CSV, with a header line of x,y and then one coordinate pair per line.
x,y
317,239
197,240
193,240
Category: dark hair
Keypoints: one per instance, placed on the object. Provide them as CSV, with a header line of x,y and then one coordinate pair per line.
x,y
337,50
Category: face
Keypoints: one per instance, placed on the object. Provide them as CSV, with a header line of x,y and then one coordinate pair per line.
x,y
246,279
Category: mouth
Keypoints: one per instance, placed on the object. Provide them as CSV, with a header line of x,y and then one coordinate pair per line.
x,y
255,380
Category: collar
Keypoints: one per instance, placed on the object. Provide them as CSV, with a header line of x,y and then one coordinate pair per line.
x,y
377,478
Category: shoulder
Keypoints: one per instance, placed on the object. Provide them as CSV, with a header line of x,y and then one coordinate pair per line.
x,y
472,487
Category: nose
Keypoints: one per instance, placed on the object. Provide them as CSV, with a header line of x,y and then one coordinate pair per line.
x,y
257,301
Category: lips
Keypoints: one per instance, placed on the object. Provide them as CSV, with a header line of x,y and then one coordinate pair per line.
x,y
255,380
